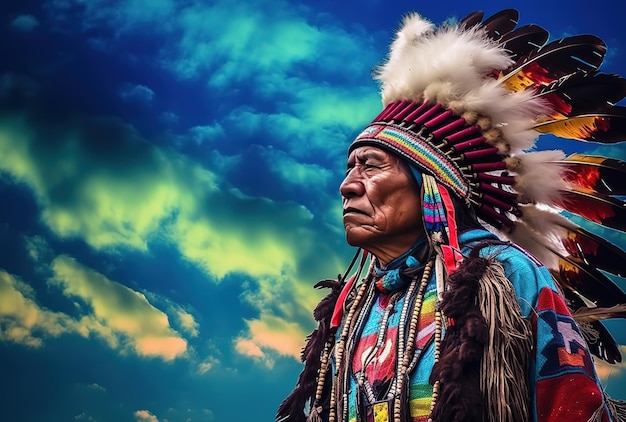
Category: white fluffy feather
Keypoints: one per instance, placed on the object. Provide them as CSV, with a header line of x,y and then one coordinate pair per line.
x,y
420,57
524,236
454,65
539,177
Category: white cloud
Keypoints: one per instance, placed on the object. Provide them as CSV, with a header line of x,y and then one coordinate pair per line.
x,y
207,364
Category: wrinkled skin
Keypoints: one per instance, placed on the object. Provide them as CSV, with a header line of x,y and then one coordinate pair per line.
x,y
382,210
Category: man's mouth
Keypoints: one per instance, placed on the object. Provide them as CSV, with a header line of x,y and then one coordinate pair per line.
x,y
352,210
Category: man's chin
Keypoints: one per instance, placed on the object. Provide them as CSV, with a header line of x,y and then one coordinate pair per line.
x,y
358,238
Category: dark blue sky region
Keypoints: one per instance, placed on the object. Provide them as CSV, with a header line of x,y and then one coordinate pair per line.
x,y
169,176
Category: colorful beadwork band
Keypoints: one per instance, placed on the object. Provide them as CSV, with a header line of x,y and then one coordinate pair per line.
x,y
418,151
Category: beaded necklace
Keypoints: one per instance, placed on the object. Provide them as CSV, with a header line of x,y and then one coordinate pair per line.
x,y
407,357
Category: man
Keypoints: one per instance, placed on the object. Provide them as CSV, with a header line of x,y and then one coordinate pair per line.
x,y
447,322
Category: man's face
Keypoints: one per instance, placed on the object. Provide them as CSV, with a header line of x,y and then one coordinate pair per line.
x,y
382,209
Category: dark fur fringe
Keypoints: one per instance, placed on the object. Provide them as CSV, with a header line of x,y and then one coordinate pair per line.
x,y
458,368
292,408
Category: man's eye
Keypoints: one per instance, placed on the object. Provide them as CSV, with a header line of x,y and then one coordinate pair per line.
x,y
370,166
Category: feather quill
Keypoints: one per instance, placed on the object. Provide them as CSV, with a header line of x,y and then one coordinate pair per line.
x,y
594,251
471,20
583,283
596,314
521,41
582,93
500,23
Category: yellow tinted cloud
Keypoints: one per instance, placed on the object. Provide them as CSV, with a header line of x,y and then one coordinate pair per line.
x,y
145,416
22,320
127,313
271,333
136,192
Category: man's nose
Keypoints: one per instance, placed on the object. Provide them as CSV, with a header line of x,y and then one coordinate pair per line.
x,y
352,185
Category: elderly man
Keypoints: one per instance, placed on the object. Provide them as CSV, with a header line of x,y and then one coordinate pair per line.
x,y
447,322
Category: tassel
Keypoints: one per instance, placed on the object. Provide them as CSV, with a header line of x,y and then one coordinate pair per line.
x,y
617,408
314,416
597,415
505,360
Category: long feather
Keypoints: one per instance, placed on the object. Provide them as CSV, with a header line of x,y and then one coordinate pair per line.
x,y
583,93
586,285
600,341
599,174
471,20
500,23
585,314
601,209
607,127
521,41
555,60
594,251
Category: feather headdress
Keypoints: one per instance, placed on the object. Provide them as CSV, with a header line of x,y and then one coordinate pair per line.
x,y
465,103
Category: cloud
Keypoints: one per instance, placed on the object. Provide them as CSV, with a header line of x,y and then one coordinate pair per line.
x,y
208,364
22,320
187,322
97,181
269,333
120,315
100,183
136,93
207,133
145,416
108,310
278,109
24,23
96,387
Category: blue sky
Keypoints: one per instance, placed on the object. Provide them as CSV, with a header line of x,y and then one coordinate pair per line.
x,y
169,177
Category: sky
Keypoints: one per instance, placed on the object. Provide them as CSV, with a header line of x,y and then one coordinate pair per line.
x,y
169,176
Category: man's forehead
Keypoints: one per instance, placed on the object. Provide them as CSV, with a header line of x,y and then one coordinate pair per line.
x,y
368,151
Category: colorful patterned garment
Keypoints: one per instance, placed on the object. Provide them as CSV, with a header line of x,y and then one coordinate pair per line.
x,y
562,371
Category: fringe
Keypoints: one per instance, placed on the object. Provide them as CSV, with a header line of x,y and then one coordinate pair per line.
x,y
505,363
597,415
314,416
617,408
